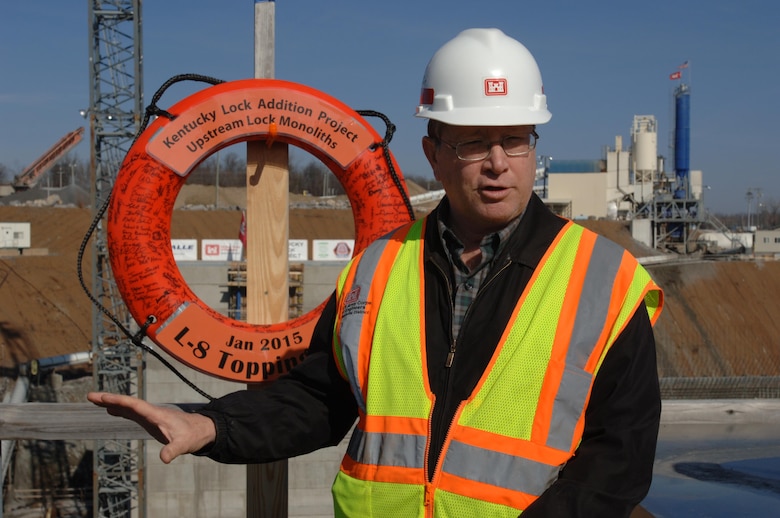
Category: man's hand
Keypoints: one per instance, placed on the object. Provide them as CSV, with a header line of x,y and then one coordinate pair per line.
x,y
181,432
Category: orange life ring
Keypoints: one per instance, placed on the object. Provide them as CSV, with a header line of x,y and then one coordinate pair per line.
x,y
152,174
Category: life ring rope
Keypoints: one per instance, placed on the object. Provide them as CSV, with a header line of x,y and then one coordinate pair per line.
x,y
389,132
153,172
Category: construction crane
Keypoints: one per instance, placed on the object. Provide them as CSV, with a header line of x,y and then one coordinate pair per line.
x,y
114,115
32,173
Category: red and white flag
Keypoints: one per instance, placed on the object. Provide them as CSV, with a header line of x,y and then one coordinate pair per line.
x,y
676,75
242,229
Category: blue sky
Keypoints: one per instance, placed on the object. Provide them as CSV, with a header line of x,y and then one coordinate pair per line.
x,y
602,62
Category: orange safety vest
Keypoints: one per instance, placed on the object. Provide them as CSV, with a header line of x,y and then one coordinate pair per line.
x,y
524,420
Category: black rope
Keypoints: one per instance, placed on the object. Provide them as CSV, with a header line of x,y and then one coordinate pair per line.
x,y
385,143
137,339
154,110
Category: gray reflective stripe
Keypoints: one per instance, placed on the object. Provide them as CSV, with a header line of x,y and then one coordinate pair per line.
x,y
588,326
499,469
387,449
352,321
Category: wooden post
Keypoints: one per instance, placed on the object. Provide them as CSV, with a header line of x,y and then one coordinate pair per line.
x,y
267,220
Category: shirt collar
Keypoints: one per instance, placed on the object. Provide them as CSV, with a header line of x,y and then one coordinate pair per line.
x,y
492,244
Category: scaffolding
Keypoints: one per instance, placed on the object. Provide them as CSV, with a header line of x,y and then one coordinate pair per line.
x,y
114,120
237,290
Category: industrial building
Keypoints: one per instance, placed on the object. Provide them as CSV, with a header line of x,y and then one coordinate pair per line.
x,y
630,182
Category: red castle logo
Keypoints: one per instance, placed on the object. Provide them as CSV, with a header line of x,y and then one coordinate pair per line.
x,y
495,86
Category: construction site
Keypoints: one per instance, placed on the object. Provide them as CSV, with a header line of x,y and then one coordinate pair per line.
x,y
717,338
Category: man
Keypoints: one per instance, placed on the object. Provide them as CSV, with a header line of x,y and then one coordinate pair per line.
x,y
500,360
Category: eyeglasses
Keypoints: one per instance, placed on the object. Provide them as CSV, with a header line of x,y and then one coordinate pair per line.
x,y
513,145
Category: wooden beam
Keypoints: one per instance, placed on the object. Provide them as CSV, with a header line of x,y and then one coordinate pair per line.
x,y
66,421
74,421
267,293
720,411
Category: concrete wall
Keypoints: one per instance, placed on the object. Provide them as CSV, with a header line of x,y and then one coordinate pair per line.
x,y
319,281
201,488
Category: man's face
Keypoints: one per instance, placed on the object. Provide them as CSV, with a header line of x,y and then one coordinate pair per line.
x,y
485,194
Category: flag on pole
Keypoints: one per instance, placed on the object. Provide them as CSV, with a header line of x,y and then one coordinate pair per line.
x,y
242,229
676,75
684,65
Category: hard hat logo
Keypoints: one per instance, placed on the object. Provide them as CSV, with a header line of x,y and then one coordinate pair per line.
x,y
495,86
489,58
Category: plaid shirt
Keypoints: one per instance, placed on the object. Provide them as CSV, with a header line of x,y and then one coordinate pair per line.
x,y
467,283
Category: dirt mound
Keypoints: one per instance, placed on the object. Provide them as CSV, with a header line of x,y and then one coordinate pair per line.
x,y
720,319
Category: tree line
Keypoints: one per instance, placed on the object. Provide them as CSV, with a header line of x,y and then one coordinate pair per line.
x,y
225,168
310,176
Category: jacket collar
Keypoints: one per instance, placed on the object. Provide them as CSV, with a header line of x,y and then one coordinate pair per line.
x,y
527,244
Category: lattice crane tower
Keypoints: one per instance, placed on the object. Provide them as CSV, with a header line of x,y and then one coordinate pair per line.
x,y
115,110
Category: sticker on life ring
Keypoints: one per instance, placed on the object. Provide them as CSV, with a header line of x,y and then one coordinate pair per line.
x,y
154,171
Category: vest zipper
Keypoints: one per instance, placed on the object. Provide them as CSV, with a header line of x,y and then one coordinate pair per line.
x,y
440,421
450,355
453,341
429,485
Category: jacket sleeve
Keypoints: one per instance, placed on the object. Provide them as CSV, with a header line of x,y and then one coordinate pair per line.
x,y
309,408
611,470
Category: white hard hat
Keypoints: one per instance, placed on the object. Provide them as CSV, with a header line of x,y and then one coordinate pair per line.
x,y
482,77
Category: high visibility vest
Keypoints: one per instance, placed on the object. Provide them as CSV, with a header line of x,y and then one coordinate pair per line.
x,y
523,421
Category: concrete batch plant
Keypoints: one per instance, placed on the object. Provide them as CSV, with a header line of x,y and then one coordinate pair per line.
x,y
665,211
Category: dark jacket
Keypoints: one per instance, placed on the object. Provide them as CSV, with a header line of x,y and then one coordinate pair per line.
x,y
312,406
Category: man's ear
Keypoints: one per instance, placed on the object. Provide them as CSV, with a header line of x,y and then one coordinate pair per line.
x,y
429,148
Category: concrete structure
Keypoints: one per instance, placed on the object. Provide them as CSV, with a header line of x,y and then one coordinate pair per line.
x,y
584,190
611,187
632,183
201,488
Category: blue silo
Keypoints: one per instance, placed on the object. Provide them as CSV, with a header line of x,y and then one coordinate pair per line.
x,y
682,140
